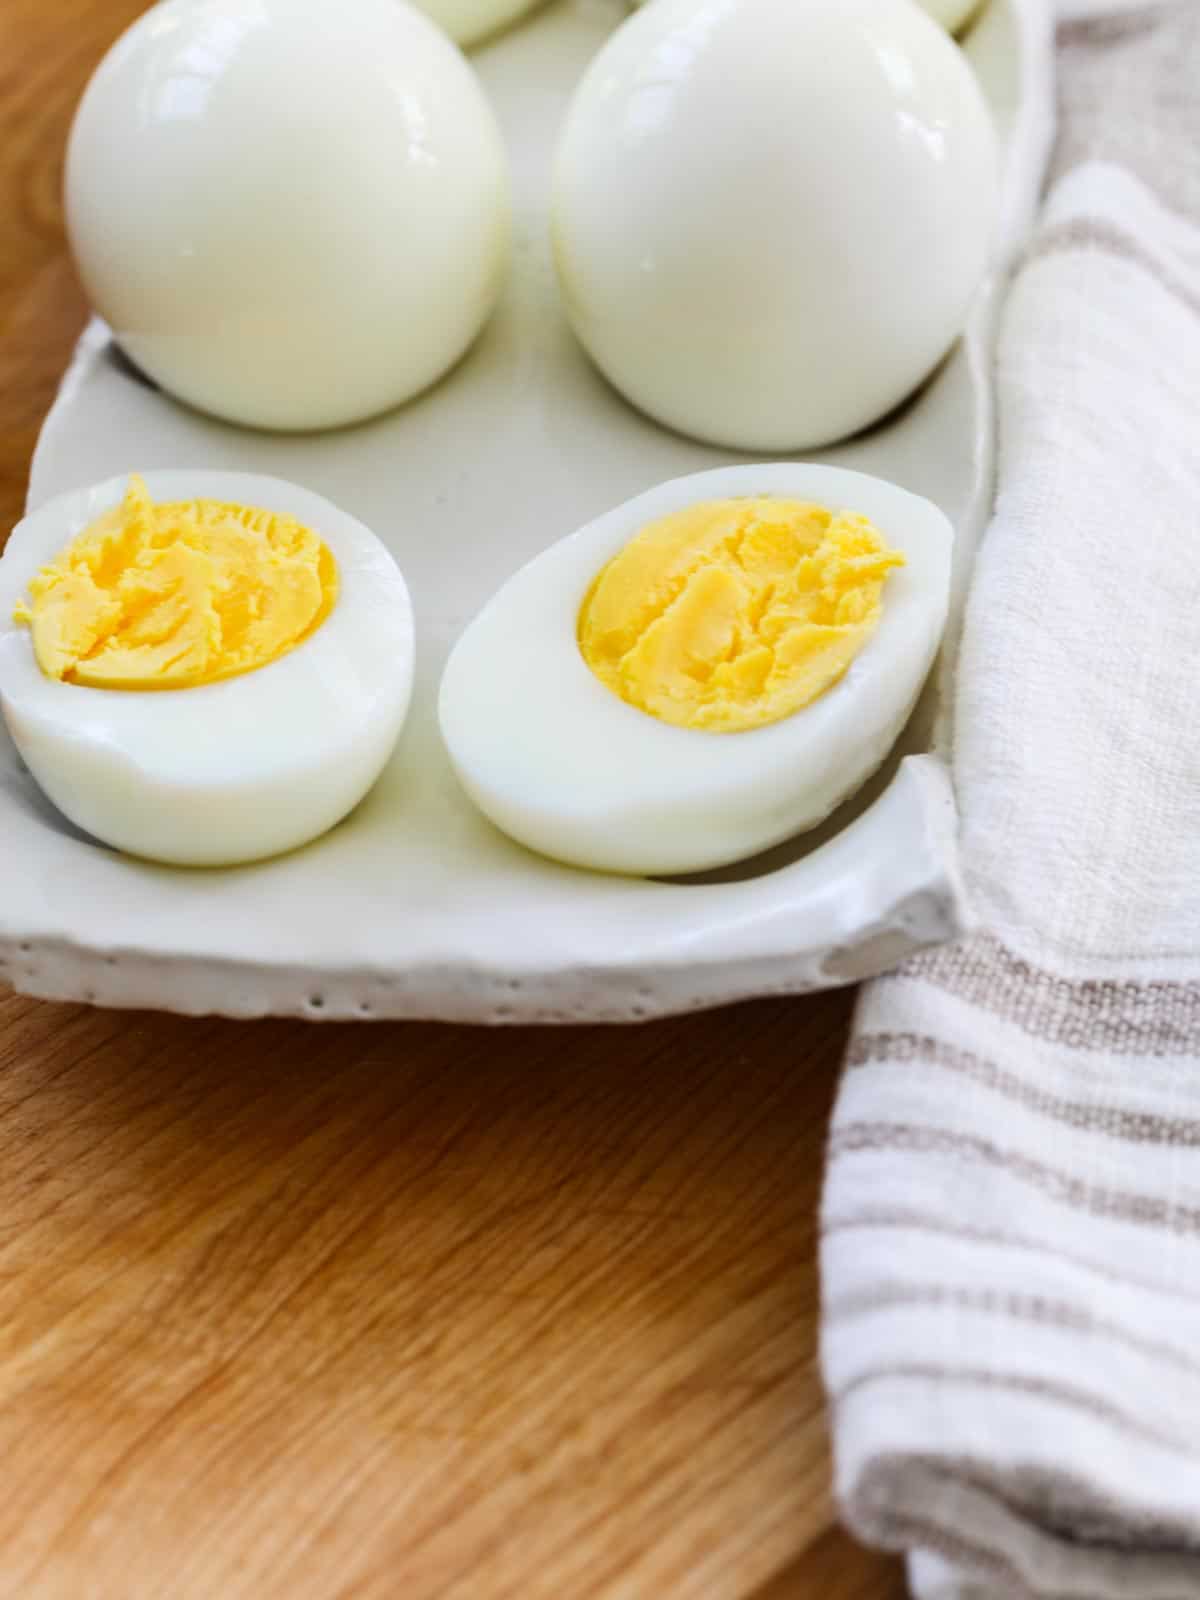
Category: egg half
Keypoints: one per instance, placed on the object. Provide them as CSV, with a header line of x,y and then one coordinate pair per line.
x,y
769,216
469,21
291,215
561,761
128,662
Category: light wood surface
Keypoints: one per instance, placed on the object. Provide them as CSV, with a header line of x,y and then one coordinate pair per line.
x,y
293,1313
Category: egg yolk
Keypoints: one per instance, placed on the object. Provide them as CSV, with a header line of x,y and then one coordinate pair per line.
x,y
173,596
734,613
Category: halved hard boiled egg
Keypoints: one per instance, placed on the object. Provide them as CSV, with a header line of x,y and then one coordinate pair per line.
x,y
702,672
202,668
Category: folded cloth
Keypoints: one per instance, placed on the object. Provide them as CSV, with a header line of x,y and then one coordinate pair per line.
x,y
1011,1254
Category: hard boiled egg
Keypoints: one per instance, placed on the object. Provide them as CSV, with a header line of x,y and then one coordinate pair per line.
x,y
291,215
203,668
770,218
755,639
468,21
952,14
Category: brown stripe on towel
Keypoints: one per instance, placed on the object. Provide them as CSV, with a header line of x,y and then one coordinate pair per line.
x,y
1053,1500
908,1219
1067,1189
1157,1017
1127,95
1031,1384
1115,1122
1036,1310
920,1533
1093,233
1101,33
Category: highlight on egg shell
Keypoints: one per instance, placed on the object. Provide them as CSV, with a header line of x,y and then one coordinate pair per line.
x,y
558,759
769,220
291,215
470,21
204,669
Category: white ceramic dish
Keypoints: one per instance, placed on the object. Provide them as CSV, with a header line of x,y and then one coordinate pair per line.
x,y
416,906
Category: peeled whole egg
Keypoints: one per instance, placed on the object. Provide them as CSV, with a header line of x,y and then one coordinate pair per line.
x,y
469,21
230,771
952,14
568,768
769,219
292,216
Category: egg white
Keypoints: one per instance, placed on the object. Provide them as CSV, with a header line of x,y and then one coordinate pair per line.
x,y
226,772
564,766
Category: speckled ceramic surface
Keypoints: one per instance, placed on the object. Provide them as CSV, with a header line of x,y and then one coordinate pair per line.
x,y
416,906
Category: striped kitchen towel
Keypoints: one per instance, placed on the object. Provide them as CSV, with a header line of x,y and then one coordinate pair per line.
x,y
1011,1256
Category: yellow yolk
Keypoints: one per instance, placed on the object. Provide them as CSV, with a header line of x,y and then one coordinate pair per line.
x,y
735,613
177,595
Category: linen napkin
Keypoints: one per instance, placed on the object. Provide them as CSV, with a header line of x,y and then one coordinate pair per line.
x,y
1011,1251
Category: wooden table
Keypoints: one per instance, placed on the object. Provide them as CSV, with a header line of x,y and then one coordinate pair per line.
x,y
297,1313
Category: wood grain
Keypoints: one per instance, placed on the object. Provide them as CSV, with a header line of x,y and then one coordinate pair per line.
x,y
346,1314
